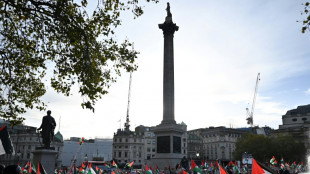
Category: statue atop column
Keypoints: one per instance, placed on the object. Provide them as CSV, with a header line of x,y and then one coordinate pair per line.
x,y
48,125
168,10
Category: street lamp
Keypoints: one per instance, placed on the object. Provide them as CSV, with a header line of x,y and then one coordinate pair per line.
x,y
197,154
85,158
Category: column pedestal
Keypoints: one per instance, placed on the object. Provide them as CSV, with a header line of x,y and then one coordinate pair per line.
x,y
47,157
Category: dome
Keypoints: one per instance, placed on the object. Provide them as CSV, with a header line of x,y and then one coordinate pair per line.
x,y
58,137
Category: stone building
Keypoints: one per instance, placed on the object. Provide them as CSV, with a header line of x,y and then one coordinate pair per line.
x,y
297,123
213,143
97,149
138,146
25,140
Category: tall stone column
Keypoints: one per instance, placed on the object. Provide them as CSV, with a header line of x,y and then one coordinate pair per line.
x,y
170,137
168,28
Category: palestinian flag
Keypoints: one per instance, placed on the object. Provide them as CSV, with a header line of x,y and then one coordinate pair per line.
x,y
282,166
130,164
30,168
206,165
211,166
184,172
222,171
244,169
73,170
55,171
114,164
83,165
148,170
24,170
89,169
41,169
202,164
217,164
6,146
98,170
112,172
156,169
236,169
194,167
272,160
81,141
81,170
257,169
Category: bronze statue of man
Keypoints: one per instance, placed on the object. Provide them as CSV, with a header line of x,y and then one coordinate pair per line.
x,y
48,125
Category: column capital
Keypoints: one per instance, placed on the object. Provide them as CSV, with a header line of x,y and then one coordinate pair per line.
x,y
168,27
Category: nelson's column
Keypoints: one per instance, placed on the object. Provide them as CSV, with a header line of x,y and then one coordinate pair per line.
x,y
171,137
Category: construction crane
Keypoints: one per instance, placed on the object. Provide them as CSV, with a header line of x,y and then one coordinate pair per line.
x,y
250,114
127,124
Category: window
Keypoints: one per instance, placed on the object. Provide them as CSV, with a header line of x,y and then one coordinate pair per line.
x,y
148,157
29,147
28,155
153,149
119,154
126,140
154,142
304,119
114,154
134,140
120,140
148,149
125,155
148,134
126,147
294,119
148,141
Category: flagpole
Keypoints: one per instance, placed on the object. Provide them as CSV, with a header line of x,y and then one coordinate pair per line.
x,y
74,159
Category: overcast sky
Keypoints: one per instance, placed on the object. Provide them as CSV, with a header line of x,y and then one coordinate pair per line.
x,y
219,49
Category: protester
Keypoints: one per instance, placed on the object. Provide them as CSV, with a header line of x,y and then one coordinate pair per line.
x,y
12,169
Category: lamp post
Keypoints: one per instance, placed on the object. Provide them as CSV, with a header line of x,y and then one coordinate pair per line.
x,y
86,158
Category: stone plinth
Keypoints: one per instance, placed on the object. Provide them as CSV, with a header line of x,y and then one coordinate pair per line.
x,y
169,140
47,157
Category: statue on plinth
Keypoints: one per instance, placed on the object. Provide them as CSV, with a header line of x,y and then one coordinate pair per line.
x,y
48,125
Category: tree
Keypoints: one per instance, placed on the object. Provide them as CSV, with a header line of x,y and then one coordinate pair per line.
x,y
58,36
263,148
306,22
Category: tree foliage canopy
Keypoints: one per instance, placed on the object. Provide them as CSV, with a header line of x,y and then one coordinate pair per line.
x,y
263,148
59,36
306,22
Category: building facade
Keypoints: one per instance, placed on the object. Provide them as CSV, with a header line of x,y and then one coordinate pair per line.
x,y
25,139
297,123
213,143
91,150
138,146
